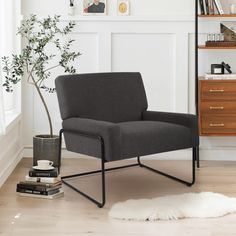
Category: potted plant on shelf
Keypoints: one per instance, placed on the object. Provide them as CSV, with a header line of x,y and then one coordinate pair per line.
x,y
35,64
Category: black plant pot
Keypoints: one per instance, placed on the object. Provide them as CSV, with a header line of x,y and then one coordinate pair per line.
x,y
46,147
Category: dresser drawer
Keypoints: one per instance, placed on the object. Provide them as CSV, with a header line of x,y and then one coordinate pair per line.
x,y
218,90
218,124
218,107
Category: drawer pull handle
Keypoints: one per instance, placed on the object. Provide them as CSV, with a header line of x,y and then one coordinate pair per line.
x,y
217,125
217,108
217,90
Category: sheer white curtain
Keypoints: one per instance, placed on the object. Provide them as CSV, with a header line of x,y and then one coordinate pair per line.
x,y
2,21
2,117
9,20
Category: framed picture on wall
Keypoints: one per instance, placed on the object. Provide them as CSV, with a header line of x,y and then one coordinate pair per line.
x,y
94,7
123,7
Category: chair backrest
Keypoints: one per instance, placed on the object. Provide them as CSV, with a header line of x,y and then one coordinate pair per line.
x,y
114,97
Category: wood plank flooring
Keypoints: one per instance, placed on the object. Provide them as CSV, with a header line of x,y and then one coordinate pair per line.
x,y
73,215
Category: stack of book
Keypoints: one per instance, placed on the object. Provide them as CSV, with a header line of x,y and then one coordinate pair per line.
x,y
41,184
211,7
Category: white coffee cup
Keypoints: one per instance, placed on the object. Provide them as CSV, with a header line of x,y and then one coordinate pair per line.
x,y
44,164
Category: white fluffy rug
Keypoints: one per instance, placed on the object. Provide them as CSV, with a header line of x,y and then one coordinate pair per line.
x,y
189,205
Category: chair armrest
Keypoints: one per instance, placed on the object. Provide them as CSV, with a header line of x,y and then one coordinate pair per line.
x,y
187,120
110,133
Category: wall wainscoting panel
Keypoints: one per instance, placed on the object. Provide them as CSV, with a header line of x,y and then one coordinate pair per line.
x,y
151,54
11,147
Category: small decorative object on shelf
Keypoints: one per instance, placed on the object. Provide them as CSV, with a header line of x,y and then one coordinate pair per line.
x,y
94,7
71,10
217,69
123,7
218,40
233,9
227,67
229,30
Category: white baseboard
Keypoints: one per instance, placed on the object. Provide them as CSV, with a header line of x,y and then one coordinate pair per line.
x,y
6,172
216,154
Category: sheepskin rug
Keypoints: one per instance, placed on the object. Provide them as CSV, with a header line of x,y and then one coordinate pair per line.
x,y
188,205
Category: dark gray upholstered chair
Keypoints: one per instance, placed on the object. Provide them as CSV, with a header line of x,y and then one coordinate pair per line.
x,y
105,116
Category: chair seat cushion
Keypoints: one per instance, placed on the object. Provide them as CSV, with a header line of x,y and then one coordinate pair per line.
x,y
140,138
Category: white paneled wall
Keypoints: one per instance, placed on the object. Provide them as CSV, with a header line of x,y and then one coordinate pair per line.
x,y
129,51
138,7
11,149
153,41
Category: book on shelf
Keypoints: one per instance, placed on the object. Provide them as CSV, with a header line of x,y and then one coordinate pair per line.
x,y
202,9
53,196
207,7
43,173
220,77
211,7
47,180
219,7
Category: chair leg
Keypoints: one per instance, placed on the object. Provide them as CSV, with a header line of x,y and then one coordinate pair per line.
x,y
103,189
102,171
60,143
197,157
194,156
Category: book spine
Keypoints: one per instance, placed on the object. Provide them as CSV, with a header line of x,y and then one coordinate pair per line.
x,y
36,184
23,190
42,179
202,7
56,195
47,185
37,188
212,8
219,7
207,7
42,174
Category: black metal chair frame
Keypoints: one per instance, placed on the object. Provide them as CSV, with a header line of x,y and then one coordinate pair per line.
x,y
195,157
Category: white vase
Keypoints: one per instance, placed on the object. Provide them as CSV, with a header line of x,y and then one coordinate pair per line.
x,y
71,10
233,9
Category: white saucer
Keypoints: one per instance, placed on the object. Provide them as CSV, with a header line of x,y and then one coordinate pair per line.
x,y
40,168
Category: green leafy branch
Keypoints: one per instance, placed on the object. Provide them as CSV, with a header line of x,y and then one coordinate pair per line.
x,y
34,60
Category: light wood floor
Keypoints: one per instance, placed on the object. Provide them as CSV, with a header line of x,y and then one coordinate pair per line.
x,y
74,215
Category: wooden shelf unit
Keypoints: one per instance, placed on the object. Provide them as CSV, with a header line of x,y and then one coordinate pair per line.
x,y
217,15
217,48
215,99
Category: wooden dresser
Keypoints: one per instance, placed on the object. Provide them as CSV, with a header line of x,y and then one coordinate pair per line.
x,y
217,107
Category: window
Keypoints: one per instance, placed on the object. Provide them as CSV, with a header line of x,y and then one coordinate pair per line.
x,y
9,43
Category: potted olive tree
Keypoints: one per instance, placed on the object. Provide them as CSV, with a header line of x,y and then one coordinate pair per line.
x,y
35,63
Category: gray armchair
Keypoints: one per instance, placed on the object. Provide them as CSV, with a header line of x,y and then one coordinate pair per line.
x,y
105,116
